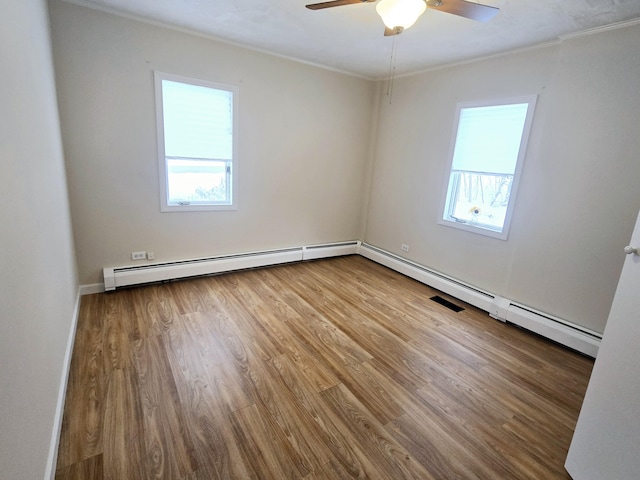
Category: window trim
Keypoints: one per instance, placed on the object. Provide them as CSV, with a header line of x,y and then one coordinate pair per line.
x,y
162,164
526,131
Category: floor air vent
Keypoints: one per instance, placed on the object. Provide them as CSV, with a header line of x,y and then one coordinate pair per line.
x,y
447,303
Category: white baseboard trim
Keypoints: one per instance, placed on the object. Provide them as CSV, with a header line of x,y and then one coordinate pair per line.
x,y
50,471
91,288
554,328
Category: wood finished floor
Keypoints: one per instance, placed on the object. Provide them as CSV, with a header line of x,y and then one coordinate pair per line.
x,y
332,369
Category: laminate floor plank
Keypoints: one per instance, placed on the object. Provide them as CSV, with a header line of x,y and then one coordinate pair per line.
x,y
293,423
370,340
81,435
242,305
441,454
116,335
263,449
415,326
276,317
153,309
312,356
348,456
389,348
449,357
215,450
315,329
206,395
396,462
299,351
202,367
471,428
466,454
168,449
370,387
322,370
123,430
523,430
522,365
91,467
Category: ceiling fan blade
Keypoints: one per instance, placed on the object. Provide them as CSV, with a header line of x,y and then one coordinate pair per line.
x,y
335,3
462,8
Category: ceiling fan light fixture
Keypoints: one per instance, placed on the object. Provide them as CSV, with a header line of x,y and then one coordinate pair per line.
x,y
400,13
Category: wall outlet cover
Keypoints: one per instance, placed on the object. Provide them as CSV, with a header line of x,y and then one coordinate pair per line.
x,y
138,255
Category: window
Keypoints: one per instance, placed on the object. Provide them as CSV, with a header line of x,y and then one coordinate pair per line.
x,y
489,143
196,143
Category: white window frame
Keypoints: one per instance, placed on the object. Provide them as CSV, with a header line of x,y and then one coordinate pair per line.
x,y
445,207
162,163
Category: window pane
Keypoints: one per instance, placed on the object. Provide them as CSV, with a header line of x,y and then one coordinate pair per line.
x,y
480,199
197,181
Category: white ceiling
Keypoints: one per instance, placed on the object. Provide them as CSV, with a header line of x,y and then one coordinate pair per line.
x,y
350,38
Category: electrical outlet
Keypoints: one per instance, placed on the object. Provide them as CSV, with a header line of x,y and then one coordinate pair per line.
x,y
405,248
151,255
138,255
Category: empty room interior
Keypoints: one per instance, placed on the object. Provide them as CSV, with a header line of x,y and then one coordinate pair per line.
x,y
352,299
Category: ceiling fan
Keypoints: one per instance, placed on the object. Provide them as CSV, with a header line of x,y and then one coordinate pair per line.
x,y
399,15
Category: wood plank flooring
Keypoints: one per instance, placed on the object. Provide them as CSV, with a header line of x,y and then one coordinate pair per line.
x,y
331,369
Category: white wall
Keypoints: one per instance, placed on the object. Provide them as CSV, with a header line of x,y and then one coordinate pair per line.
x,y
303,143
579,192
38,282
304,158
306,146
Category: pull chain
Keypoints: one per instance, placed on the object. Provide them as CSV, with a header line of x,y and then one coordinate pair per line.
x,y
392,69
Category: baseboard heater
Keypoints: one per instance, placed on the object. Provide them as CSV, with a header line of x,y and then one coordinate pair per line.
x,y
437,280
125,276
564,332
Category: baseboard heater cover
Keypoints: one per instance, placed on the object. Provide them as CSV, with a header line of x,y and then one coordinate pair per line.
x,y
451,286
125,276
566,333
314,252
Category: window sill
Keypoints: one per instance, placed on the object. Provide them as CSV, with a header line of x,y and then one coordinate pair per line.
x,y
474,228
